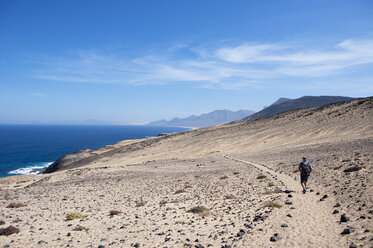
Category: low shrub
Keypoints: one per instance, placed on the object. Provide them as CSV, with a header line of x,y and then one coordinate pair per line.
x,y
270,185
197,209
230,197
273,205
180,191
16,205
8,231
74,216
80,228
140,204
114,212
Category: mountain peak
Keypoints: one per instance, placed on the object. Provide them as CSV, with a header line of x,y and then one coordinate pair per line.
x,y
213,118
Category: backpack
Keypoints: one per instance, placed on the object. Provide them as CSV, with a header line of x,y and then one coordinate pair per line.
x,y
306,170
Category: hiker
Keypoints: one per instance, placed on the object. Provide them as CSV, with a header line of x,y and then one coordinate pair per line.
x,y
305,169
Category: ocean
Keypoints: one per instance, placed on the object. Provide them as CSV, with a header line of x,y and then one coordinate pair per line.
x,y
26,149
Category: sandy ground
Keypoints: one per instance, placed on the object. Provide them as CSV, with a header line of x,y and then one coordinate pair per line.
x,y
243,178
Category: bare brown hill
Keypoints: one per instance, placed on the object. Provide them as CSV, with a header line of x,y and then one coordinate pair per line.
x,y
225,186
335,122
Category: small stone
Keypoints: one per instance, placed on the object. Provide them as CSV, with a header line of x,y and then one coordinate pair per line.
x,y
275,237
42,242
352,245
290,195
325,196
348,230
284,225
288,202
344,218
101,246
289,215
337,205
241,233
335,211
199,246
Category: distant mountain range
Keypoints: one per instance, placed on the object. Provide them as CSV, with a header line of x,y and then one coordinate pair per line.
x,y
213,118
286,104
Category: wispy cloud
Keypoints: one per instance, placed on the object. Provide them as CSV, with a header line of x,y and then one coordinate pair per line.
x,y
225,67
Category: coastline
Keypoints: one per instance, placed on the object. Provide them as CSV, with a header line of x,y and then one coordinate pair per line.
x,y
29,163
227,185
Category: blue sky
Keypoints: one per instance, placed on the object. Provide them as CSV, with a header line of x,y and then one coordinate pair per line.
x,y
139,61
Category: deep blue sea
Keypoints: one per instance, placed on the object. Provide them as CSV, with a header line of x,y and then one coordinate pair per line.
x,y
26,148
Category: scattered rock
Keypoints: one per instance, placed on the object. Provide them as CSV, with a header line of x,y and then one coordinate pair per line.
x,y
42,242
344,218
335,211
284,225
288,202
241,233
352,245
8,231
275,237
348,230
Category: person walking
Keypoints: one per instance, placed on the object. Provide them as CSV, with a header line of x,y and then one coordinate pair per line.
x,y
305,169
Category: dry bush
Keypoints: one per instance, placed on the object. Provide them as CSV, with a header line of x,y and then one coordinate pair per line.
x,y
272,205
275,191
16,205
180,191
80,228
197,209
8,231
74,216
230,197
114,212
140,204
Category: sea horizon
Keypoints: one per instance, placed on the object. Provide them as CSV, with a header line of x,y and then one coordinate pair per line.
x,y
29,148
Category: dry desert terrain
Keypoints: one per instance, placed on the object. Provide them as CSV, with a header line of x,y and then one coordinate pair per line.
x,y
233,185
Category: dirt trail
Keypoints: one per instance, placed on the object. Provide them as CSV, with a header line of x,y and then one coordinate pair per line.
x,y
311,224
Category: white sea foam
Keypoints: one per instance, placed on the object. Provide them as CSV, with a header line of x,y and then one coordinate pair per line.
x,y
34,169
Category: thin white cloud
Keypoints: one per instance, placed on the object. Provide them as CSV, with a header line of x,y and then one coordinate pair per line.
x,y
226,67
